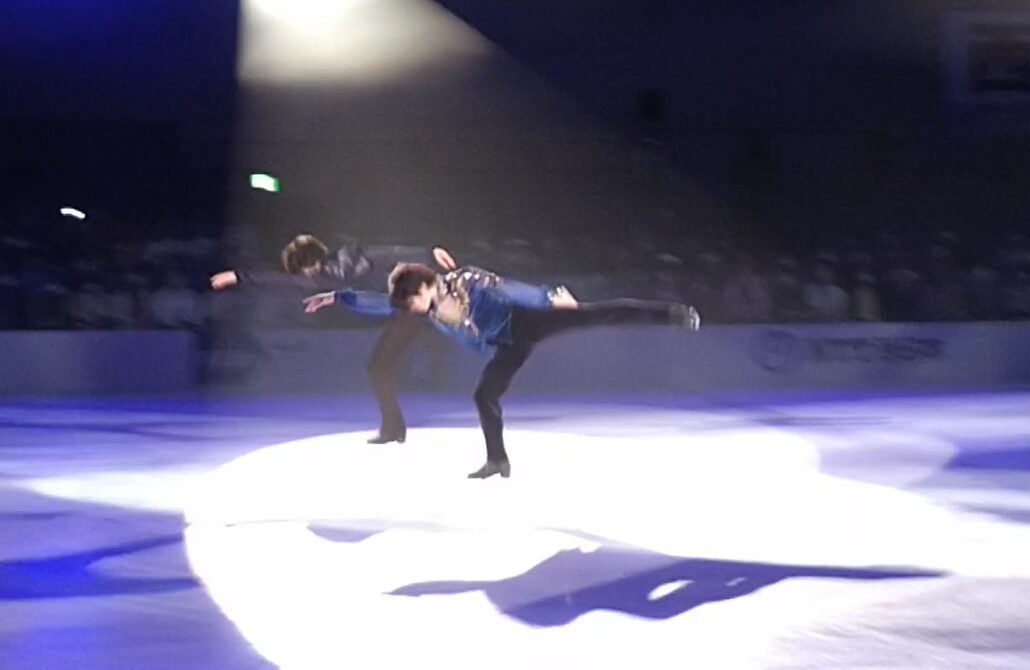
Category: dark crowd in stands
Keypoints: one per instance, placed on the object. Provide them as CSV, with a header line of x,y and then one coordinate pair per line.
x,y
72,274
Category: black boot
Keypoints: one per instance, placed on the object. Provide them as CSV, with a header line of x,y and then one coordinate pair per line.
x,y
491,468
385,437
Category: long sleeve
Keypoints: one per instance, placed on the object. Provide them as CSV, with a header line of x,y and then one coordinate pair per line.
x,y
365,303
271,279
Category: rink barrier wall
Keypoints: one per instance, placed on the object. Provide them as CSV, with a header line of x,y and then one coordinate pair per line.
x,y
93,362
719,358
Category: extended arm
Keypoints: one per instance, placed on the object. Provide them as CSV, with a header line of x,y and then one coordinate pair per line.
x,y
273,280
364,303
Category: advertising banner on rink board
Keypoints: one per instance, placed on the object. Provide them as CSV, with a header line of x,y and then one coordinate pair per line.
x,y
605,360
318,361
838,356
627,360
889,355
65,362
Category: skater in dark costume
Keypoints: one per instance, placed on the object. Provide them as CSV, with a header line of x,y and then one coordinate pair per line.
x,y
404,325
309,264
480,315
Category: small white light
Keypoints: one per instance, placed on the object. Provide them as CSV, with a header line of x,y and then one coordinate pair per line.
x,y
74,213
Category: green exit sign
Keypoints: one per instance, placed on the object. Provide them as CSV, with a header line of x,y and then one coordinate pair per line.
x,y
264,182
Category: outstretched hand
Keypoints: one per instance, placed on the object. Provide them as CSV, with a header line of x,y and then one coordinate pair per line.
x,y
562,298
223,280
313,303
444,259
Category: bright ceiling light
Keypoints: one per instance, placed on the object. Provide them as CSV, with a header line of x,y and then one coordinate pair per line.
x,y
326,41
304,13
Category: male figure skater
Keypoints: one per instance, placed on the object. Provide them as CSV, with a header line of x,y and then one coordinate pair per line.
x,y
480,315
309,264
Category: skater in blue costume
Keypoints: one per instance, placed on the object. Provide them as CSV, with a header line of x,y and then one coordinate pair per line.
x,y
485,312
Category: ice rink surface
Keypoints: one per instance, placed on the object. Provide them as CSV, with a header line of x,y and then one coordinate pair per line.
x,y
860,531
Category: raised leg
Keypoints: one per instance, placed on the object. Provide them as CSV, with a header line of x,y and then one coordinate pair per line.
x,y
533,326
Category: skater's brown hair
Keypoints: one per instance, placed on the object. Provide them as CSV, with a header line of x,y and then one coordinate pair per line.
x,y
406,280
303,252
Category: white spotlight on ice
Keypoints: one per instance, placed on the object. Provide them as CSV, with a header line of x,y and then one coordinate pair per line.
x,y
73,213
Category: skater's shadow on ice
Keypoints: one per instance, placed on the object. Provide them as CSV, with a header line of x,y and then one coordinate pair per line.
x,y
643,584
995,480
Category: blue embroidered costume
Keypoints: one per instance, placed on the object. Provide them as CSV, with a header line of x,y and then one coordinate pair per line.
x,y
513,318
487,299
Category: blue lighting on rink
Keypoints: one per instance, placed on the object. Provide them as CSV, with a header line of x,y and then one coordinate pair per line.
x,y
249,532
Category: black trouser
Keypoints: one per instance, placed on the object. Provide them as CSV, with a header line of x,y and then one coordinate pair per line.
x,y
394,340
528,327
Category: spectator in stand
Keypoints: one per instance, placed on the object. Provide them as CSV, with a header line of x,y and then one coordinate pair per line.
x,y
483,248
552,253
824,298
745,297
176,305
787,291
702,282
88,307
120,305
1015,295
139,290
10,297
888,245
1017,251
45,295
667,284
858,262
982,289
902,290
943,297
519,256
865,299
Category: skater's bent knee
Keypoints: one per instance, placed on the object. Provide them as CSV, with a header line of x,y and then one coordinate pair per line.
x,y
484,395
378,369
